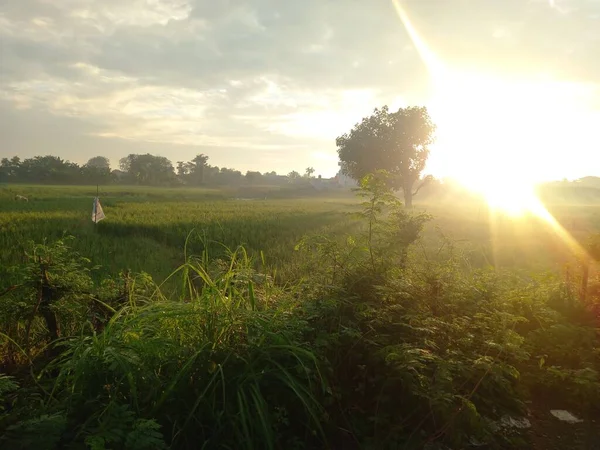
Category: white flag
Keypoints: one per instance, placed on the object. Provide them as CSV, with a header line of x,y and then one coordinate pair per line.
x,y
97,213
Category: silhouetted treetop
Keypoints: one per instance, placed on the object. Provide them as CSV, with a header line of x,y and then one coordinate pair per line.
x,y
397,142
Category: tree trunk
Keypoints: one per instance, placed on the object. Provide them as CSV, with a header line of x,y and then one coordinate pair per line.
x,y
408,195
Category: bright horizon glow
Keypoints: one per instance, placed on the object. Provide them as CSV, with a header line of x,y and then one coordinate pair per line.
x,y
498,136
510,119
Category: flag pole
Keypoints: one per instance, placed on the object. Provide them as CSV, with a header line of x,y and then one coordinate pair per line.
x,y
96,207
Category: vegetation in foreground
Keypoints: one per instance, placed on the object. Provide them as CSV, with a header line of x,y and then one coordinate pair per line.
x,y
383,347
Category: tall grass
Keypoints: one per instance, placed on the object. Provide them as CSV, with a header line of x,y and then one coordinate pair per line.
x,y
223,367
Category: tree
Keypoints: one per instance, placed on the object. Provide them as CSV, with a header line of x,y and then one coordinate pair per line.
x,y
9,169
293,176
182,169
253,177
308,172
49,169
99,162
228,177
396,142
148,169
197,166
96,170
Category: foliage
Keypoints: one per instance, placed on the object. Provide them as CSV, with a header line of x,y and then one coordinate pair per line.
x,y
99,162
428,335
253,177
397,142
49,300
148,169
39,169
421,348
194,172
212,368
375,338
137,169
42,432
97,170
293,176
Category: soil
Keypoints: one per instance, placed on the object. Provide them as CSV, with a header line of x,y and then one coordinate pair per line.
x,y
549,433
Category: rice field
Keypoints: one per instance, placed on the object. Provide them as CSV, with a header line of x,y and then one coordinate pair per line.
x,y
146,228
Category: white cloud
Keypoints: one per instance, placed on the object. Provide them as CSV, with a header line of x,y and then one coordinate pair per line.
x,y
261,76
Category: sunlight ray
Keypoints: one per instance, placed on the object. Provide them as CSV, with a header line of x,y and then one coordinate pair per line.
x,y
540,211
429,58
516,199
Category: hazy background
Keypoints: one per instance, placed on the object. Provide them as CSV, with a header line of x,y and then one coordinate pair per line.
x,y
270,84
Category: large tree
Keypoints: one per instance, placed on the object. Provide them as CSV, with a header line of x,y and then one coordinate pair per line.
x,y
99,162
293,176
183,169
9,169
394,141
96,170
197,167
148,169
253,177
228,177
49,170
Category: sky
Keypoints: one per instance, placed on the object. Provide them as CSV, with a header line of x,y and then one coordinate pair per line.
x,y
513,85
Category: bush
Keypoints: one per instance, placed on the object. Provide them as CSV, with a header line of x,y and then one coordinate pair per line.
x,y
381,347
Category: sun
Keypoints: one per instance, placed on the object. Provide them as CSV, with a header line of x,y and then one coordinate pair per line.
x,y
515,198
501,135
497,135
492,146
516,201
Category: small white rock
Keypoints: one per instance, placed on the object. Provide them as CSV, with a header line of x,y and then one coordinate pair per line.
x,y
515,422
565,416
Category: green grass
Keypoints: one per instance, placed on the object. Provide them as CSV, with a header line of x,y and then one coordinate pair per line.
x,y
146,228
371,334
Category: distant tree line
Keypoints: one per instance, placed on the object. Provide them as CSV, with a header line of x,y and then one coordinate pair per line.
x,y
140,169
53,170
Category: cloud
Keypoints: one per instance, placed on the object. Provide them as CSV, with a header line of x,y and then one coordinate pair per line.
x,y
275,80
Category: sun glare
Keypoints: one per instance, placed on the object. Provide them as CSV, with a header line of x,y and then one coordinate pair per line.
x,y
500,136
515,198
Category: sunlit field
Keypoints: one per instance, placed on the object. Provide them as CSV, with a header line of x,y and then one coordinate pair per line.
x,y
506,240
146,228
459,302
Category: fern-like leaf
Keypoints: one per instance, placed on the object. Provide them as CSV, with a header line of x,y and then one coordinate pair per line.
x,y
145,435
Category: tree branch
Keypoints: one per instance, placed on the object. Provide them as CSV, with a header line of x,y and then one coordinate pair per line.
x,y
425,181
10,289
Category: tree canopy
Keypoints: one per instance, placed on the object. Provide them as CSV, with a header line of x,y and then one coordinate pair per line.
x,y
99,162
397,142
148,169
39,169
141,169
